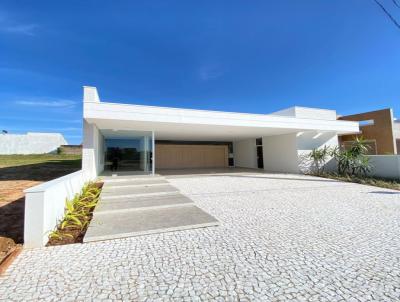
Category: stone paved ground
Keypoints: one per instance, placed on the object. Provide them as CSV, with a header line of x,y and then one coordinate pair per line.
x,y
282,238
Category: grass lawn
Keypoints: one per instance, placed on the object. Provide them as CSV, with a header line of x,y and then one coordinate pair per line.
x,y
20,160
19,172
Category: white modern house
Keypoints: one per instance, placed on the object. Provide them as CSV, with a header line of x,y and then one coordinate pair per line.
x,y
135,139
31,143
146,139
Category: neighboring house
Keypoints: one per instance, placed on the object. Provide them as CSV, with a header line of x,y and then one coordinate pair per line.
x,y
396,131
30,143
378,128
128,137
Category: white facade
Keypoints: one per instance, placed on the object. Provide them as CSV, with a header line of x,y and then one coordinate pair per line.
x,y
287,135
31,143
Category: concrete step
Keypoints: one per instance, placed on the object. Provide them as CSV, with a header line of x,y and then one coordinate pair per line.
x,y
142,203
136,182
124,192
135,223
130,178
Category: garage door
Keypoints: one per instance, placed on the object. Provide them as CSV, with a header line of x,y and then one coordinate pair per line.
x,y
191,156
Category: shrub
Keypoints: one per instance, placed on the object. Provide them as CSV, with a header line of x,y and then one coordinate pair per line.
x,y
78,213
319,158
351,162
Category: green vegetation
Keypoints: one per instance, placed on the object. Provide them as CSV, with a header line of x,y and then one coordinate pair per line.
x,y
78,213
319,158
21,160
351,162
352,165
371,181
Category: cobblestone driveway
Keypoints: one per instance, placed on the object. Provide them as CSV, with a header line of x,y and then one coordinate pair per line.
x,y
281,238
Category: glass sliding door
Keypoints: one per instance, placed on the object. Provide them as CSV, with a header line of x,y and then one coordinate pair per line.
x,y
128,151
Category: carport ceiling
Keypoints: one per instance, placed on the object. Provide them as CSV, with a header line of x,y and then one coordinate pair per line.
x,y
174,131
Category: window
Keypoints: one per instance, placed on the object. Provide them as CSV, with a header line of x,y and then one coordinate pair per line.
x,y
367,123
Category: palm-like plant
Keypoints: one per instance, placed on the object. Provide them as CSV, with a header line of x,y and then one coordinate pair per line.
x,y
354,160
319,158
359,147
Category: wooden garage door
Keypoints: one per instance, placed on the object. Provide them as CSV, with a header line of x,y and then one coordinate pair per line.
x,y
191,156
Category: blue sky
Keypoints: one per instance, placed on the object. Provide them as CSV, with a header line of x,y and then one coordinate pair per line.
x,y
246,56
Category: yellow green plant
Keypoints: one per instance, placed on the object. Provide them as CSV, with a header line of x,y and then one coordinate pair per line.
x,y
77,212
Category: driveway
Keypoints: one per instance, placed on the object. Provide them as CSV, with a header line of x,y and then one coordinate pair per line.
x,y
281,237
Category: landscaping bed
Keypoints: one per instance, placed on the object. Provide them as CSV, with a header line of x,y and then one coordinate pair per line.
x,y
78,214
371,181
353,165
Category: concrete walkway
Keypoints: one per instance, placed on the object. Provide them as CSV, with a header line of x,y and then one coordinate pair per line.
x,y
138,205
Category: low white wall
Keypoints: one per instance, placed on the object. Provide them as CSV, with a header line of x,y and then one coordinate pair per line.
x,y
245,153
386,166
45,205
30,143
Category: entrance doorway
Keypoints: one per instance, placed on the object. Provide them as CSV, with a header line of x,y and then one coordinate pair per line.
x,y
260,156
123,153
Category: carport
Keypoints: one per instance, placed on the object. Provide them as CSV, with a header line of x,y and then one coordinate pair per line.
x,y
147,138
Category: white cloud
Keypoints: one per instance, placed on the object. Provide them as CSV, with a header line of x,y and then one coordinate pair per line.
x,y
39,119
9,25
210,72
50,104
23,29
40,129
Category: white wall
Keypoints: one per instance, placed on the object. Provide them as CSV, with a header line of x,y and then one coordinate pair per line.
x,y
45,204
396,129
280,153
396,133
386,166
288,153
307,141
30,143
245,153
308,113
92,150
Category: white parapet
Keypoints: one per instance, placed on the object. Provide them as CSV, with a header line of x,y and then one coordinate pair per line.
x,y
45,206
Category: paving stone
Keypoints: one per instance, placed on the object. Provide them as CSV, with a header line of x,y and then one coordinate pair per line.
x,y
281,237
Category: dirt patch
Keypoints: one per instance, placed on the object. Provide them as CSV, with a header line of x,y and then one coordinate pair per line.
x,y
19,172
8,251
7,245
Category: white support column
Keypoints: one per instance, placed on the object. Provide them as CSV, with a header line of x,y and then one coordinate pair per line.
x,y
153,153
